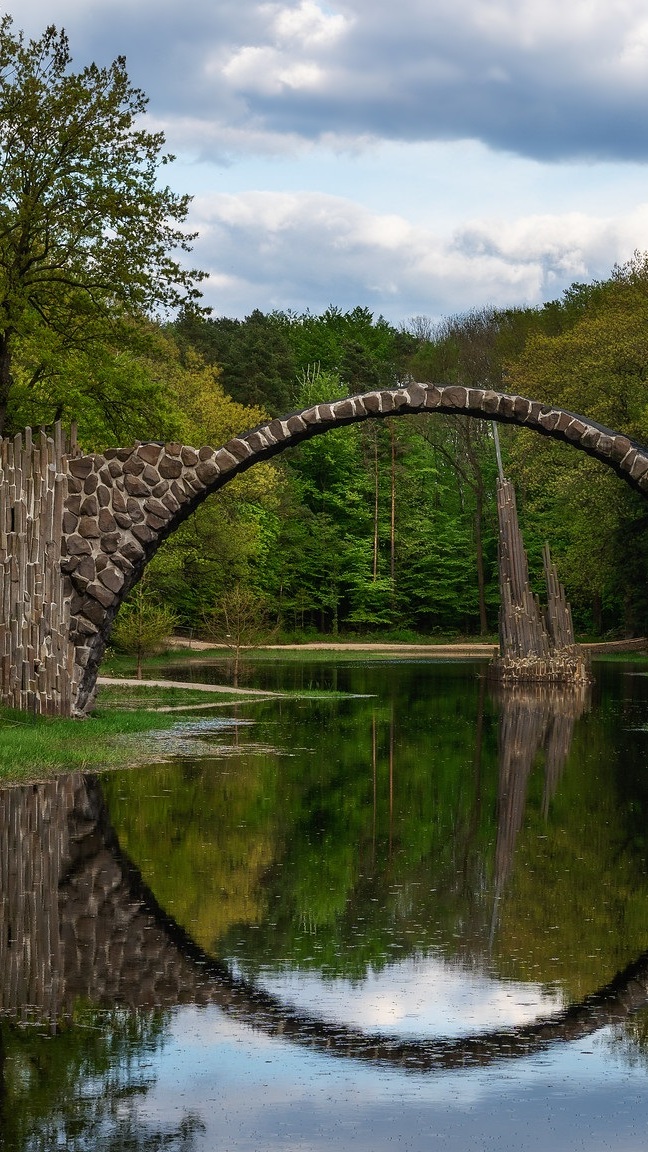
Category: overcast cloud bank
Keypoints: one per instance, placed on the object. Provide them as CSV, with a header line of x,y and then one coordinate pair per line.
x,y
229,82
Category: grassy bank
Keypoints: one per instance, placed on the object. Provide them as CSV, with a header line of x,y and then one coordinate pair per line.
x,y
35,747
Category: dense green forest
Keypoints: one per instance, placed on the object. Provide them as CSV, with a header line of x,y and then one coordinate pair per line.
x,y
387,527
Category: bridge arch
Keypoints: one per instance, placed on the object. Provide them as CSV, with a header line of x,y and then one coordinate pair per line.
x,y
122,504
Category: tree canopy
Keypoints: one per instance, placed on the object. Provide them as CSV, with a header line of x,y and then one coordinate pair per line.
x,y
89,240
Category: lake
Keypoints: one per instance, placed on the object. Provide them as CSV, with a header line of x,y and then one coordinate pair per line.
x,y
411,914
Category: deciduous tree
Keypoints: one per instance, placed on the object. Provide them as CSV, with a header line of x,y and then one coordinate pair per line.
x,y
89,238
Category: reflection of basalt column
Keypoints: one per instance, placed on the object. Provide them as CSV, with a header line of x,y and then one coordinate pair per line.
x,y
34,839
530,718
521,732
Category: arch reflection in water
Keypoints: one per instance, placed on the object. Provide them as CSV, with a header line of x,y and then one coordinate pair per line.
x,y
79,923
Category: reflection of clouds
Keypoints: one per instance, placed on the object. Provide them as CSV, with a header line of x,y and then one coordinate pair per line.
x,y
422,997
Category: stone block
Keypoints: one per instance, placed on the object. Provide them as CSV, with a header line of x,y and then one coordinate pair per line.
x,y
93,611
454,396
89,506
70,522
372,402
173,449
110,541
87,568
151,476
160,489
135,486
133,466
90,483
170,502
239,449
189,457
131,549
576,429
432,396
122,519
416,393
81,466
103,496
224,460
619,448
150,453
101,593
107,521
170,467
89,527
112,578
207,471
143,533
78,545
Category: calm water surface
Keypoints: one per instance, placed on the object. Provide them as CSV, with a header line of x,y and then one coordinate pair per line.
x,y
414,917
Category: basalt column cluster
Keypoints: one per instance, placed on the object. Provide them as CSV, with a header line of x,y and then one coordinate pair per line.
x,y
36,652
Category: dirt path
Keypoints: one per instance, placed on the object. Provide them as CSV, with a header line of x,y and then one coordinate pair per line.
x,y
475,649
185,685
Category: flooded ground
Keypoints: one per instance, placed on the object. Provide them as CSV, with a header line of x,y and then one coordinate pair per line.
x,y
416,916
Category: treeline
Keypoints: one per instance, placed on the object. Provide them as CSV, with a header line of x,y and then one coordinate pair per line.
x,y
389,525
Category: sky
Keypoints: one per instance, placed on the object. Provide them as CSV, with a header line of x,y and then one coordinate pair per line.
x,y
418,158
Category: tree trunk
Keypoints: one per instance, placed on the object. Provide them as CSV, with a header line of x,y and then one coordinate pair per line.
x,y
392,528
375,524
479,545
6,380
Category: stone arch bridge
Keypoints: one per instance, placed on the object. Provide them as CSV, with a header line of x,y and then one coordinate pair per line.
x,y
76,531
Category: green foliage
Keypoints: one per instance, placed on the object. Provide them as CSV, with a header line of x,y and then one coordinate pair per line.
x,y
142,626
88,235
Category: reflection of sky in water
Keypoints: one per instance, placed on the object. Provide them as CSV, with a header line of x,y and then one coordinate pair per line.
x,y
260,1094
422,997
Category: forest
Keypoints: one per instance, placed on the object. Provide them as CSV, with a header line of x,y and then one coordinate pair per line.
x,y
387,528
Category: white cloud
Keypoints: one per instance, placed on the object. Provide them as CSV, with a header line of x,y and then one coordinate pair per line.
x,y
306,250
308,25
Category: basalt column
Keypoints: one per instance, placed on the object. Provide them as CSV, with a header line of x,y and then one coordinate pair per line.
x,y
36,654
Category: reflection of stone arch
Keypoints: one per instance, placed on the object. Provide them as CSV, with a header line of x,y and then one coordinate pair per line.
x,y
77,921
121,504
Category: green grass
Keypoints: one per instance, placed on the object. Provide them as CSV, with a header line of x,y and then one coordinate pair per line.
x,y
33,747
